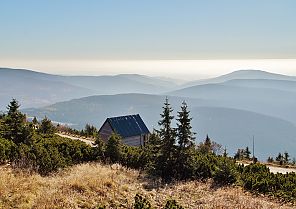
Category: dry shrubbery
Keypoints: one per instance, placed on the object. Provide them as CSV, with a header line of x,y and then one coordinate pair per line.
x,y
94,185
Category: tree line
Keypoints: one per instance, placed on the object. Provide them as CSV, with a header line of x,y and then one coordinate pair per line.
x,y
170,154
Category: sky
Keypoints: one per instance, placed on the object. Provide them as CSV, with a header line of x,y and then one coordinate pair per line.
x,y
177,37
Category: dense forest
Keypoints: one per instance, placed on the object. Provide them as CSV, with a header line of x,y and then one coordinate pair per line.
x,y
170,155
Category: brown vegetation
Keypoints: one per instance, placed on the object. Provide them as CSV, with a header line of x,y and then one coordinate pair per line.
x,y
93,185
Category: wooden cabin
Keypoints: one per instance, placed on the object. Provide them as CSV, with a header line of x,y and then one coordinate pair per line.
x,y
131,128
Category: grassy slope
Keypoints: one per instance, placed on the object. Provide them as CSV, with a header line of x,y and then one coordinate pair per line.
x,y
90,185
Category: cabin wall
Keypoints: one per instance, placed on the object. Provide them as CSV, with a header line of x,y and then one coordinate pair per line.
x,y
105,132
136,140
132,141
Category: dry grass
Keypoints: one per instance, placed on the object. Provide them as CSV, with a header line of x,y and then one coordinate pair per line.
x,y
92,185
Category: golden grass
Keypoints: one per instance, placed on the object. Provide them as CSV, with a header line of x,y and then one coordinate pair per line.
x,y
93,185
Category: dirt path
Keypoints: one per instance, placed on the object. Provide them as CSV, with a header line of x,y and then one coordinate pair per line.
x,y
89,142
274,169
281,170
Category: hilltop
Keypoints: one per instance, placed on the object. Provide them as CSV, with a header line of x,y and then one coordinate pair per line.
x,y
35,89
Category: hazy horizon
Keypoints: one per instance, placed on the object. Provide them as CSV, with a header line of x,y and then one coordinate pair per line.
x,y
177,69
185,40
100,37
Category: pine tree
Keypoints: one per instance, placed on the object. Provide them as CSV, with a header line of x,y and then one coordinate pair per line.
x,y
100,148
184,134
247,153
165,165
294,161
15,127
90,130
280,158
46,127
185,141
152,149
114,148
286,157
270,159
2,127
166,132
206,146
35,121
225,154
239,155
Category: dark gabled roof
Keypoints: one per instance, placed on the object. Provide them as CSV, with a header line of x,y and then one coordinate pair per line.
x,y
129,125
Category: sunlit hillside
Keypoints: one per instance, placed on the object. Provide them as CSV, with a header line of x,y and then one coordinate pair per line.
x,y
94,185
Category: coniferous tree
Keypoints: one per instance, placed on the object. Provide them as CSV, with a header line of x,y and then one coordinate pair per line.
x,y
247,153
185,139
165,165
286,157
206,146
270,159
280,159
15,127
166,132
2,131
152,149
90,130
100,148
225,154
114,148
239,155
46,127
35,121
184,134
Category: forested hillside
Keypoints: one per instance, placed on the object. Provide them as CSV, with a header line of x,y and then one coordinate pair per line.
x,y
170,155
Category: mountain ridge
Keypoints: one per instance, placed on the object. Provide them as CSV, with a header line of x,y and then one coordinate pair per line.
x,y
230,127
241,74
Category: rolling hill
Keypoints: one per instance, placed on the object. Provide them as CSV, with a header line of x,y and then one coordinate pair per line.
x,y
270,97
34,89
233,128
230,108
242,74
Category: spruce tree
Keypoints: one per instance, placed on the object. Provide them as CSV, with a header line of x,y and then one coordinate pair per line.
x,y
165,165
270,159
15,127
247,153
286,157
166,132
208,144
2,129
114,148
46,127
225,154
185,141
184,134
100,148
280,158
35,121
152,149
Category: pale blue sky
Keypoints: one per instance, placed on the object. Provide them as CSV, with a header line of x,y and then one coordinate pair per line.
x,y
154,29
73,36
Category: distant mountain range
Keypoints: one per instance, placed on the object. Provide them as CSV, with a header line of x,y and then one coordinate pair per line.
x,y
242,74
232,128
271,97
34,89
230,108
